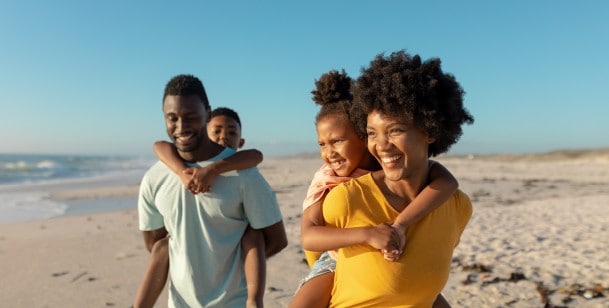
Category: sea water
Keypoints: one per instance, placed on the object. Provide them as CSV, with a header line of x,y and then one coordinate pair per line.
x,y
27,180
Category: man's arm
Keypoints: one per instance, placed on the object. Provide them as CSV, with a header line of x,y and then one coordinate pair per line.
x,y
151,237
275,238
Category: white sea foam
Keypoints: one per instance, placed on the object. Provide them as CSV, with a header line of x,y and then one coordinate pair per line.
x,y
28,205
27,181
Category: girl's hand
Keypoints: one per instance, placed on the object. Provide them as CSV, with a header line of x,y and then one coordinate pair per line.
x,y
382,237
394,255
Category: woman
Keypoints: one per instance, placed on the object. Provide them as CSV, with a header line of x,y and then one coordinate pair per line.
x,y
410,111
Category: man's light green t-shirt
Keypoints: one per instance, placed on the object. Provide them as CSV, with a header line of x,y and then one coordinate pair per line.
x,y
206,264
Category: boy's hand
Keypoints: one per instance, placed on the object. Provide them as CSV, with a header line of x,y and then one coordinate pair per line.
x,y
186,178
202,178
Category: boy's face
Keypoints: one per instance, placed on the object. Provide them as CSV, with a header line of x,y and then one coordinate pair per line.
x,y
225,131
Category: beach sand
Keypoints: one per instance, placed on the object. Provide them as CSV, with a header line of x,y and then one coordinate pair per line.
x,y
539,235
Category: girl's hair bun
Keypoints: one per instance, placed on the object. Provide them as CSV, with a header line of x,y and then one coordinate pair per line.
x,y
332,87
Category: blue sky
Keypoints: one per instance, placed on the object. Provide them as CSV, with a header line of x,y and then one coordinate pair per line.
x,y
86,77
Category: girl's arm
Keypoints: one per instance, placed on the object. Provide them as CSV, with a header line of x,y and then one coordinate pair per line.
x,y
199,179
315,236
442,185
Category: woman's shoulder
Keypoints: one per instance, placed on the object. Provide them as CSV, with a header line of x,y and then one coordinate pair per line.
x,y
462,204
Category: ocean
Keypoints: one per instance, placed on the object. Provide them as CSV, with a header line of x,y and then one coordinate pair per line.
x,y
27,180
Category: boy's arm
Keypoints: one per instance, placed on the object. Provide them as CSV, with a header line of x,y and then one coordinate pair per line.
x,y
442,185
168,154
203,177
240,160
199,179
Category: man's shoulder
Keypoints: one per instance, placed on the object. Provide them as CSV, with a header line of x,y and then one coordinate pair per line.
x,y
157,167
157,171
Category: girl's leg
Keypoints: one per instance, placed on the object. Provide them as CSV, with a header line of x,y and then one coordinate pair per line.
x,y
155,276
252,244
316,292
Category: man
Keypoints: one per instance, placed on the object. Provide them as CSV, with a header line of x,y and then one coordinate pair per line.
x,y
206,267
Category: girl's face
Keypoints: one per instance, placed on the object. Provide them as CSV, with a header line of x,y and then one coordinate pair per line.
x,y
400,148
339,145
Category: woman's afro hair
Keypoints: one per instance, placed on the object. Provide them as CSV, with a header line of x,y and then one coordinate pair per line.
x,y
401,86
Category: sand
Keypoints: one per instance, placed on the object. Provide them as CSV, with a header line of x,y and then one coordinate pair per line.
x,y
538,236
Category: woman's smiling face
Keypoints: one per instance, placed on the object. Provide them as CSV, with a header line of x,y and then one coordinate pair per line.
x,y
400,148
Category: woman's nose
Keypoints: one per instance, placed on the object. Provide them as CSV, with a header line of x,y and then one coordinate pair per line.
x,y
381,142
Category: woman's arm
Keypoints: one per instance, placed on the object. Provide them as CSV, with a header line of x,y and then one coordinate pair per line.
x,y
442,185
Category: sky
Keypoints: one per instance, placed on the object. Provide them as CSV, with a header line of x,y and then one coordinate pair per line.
x,y
87,77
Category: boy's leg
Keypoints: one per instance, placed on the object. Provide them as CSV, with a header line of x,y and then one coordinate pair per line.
x,y
316,292
155,276
252,244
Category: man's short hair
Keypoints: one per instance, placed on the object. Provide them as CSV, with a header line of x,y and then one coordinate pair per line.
x,y
186,85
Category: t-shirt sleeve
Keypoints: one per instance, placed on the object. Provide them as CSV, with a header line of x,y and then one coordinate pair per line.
x,y
336,207
149,216
464,212
316,190
259,200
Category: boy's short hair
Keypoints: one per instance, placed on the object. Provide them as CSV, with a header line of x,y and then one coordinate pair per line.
x,y
227,112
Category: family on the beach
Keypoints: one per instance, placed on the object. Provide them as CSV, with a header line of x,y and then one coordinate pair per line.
x,y
380,220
